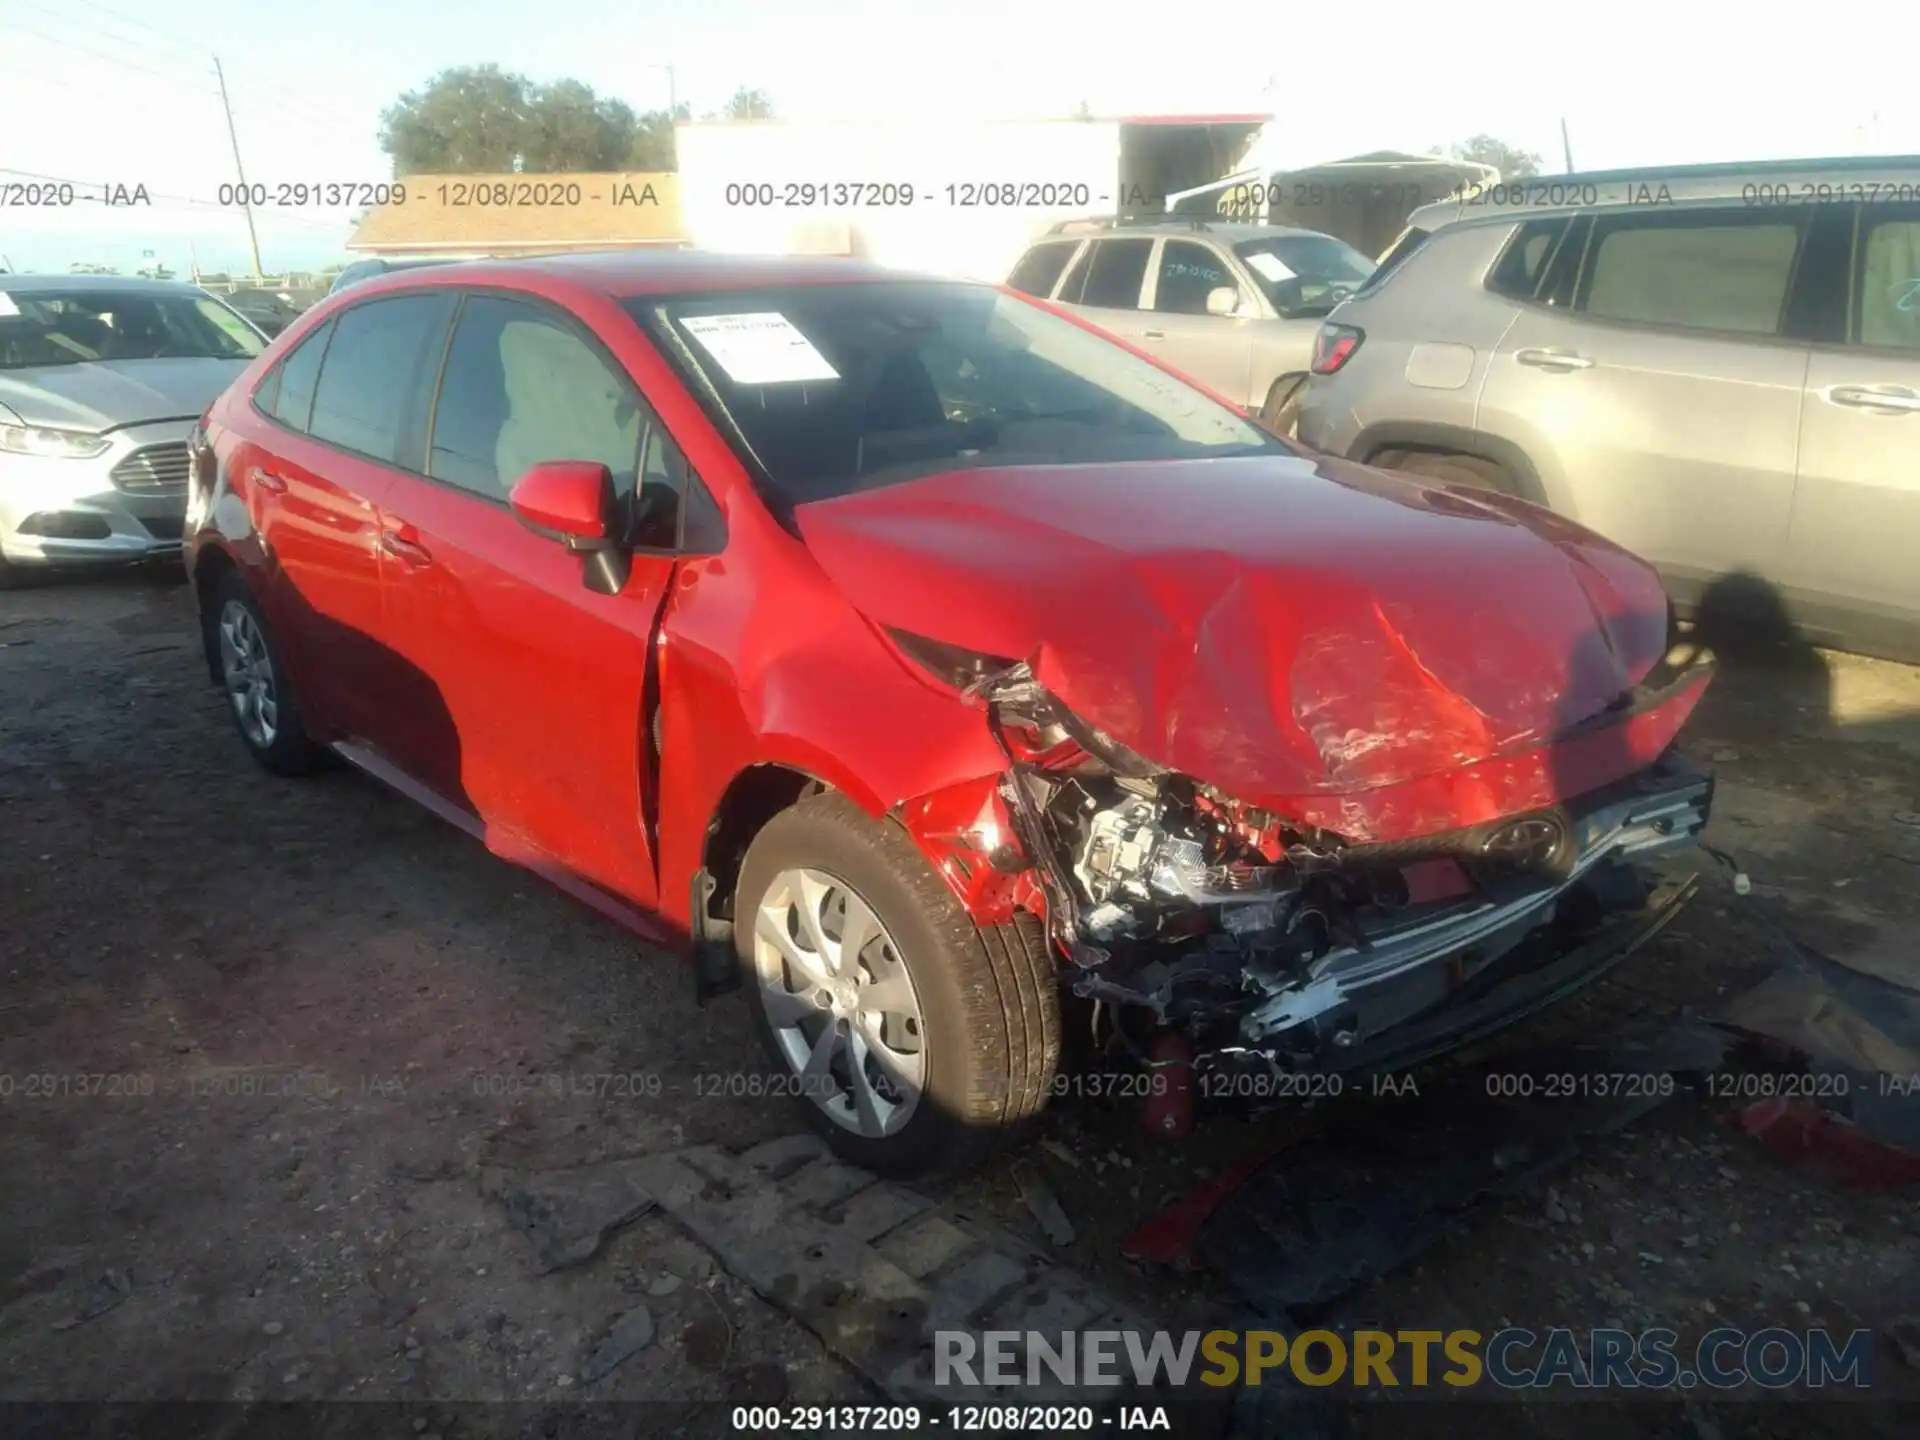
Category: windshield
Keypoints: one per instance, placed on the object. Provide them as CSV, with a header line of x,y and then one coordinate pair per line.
x,y
840,388
1305,274
51,327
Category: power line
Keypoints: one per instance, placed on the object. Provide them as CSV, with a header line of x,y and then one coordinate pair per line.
x,y
288,108
125,64
284,92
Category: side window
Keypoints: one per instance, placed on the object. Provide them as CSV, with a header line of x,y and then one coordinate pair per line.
x,y
1040,267
520,387
1889,300
287,394
1187,272
1709,270
376,372
1114,278
1523,264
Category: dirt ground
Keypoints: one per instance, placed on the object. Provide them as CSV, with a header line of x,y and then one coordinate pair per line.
x,y
258,1038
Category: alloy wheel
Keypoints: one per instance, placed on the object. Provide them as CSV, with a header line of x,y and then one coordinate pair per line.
x,y
248,670
840,1002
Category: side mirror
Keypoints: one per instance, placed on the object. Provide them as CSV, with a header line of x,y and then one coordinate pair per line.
x,y
1223,300
573,501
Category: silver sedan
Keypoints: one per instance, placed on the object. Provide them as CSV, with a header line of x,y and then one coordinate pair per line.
x,y
101,378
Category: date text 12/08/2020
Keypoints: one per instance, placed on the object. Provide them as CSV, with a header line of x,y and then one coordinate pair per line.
x,y
455,194
959,195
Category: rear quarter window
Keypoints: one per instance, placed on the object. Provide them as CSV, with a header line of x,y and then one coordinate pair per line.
x,y
287,394
1039,269
1394,256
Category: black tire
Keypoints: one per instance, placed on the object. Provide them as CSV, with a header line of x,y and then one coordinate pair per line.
x,y
989,1000
1467,471
290,752
1281,409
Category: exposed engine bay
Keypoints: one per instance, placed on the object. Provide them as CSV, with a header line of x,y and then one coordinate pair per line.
x,y
1186,908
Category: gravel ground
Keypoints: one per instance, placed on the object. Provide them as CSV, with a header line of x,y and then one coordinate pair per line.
x,y
285,1024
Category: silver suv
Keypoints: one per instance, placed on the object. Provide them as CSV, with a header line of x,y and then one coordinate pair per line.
x,y
1717,367
1234,306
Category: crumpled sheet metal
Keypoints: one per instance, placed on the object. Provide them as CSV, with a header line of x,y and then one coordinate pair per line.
x,y
1352,649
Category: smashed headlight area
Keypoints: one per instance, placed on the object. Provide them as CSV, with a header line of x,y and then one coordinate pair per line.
x,y
1279,947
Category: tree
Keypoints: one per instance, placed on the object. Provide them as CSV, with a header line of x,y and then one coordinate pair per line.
x,y
745,105
571,128
481,119
1512,163
651,147
469,120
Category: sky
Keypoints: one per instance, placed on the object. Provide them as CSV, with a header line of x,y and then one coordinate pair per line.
x,y
114,92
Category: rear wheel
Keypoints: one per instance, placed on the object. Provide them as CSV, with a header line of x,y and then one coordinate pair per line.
x,y
914,1041
1468,471
254,679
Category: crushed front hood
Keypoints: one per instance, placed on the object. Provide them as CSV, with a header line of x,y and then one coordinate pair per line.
x,y
1346,646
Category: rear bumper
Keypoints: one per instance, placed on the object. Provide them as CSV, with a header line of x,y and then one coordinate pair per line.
x,y
1323,422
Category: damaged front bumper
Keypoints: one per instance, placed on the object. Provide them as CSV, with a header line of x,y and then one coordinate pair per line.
x,y
1270,942
1398,985
1537,973
1397,968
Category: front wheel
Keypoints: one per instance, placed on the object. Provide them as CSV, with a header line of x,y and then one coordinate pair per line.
x,y
914,1041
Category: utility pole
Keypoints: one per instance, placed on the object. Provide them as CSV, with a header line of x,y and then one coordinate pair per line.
x,y
673,92
1566,145
246,196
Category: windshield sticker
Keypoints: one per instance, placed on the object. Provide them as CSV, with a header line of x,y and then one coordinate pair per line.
x,y
1268,267
759,349
7,307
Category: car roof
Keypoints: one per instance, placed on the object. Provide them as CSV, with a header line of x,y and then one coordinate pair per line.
x,y
106,284
622,274
1849,177
1232,231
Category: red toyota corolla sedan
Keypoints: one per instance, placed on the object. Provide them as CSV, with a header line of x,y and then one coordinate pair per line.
x,y
932,662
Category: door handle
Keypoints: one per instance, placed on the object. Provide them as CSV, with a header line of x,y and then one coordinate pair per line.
x,y
1153,334
405,543
1553,359
1887,399
267,480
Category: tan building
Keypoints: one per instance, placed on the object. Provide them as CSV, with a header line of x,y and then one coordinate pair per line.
x,y
482,215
